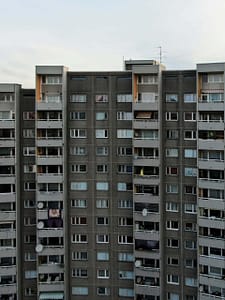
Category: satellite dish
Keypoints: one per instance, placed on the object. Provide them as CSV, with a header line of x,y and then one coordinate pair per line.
x,y
137,263
144,212
39,248
40,205
40,225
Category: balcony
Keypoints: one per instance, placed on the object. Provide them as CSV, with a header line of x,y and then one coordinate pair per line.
x,y
146,234
8,289
49,196
7,197
210,125
216,164
50,268
7,216
147,290
212,203
48,106
7,233
49,177
52,124
51,286
49,160
7,160
7,124
207,183
8,270
211,222
145,124
50,232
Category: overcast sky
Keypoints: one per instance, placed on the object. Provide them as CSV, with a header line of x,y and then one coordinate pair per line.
x,y
98,34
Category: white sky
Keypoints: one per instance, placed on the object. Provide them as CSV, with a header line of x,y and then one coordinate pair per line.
x,y
97,34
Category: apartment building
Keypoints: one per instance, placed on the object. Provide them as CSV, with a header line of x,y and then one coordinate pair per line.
x,y
112,184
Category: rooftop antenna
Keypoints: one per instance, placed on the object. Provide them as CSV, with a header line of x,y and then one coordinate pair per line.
x,y
160,54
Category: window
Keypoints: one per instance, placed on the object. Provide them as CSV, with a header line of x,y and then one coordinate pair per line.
x,y
172,188
102,186
147,97
102,203
29,203
190,227
125,239
78,186
28,133
124,151
79,203
102,238
172,225
103,291
190,281
125,256
172,152
190,189
124,133
51,79
126,275
78,168
190,135
102,221
172,206
171,116
102,150
28,115
101,98
77,115
124,98
172,243
190,297
125,203
78,220
172,171
174,261
171,98
78,98
29,168
101,115
79,238
124,186
30,292
78,133
78,150
31,274
124,169
28,239
78,290
172,134
190,263
189,98
190,153
173,296
29,256
190,208
29,186
124,292
124,115
101,133
80,255
189,116
173,279
102,168
147,79
125,221
191,245
81,273
103,256
190,172
215,78
103,273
